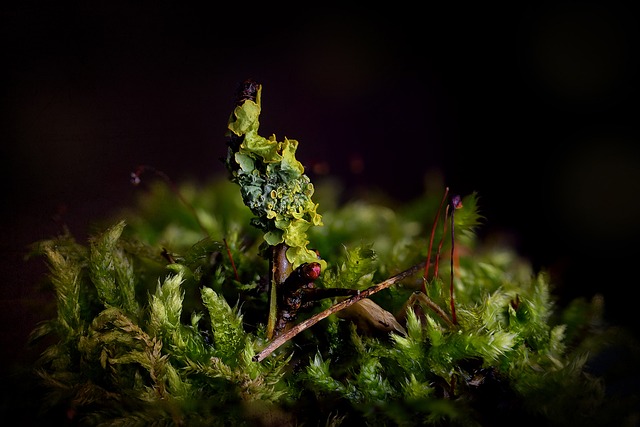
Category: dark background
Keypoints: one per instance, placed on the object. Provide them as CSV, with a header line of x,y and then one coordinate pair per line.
x,y
534,107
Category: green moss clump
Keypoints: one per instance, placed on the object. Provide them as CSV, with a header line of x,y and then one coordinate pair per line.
x,y
145,338
160,315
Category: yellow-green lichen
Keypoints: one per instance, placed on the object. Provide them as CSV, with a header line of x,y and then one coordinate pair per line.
x,y
272,183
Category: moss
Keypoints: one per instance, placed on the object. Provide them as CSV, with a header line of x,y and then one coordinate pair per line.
x,y
158,321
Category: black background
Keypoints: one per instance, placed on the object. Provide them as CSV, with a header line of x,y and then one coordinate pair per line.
x,y
535,107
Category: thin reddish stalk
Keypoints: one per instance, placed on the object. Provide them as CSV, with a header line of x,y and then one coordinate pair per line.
x,y
233,264
454,319
433,232
456,203
444,231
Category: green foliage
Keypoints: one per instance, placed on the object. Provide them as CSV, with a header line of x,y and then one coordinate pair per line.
x,y
154,325
228,335
111,272
160,316
117,363
355,272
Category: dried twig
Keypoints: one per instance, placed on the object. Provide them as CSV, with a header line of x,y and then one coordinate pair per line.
x,y
423,298
281,339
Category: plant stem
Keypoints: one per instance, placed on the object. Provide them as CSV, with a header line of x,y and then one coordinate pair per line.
x,y
280,269
453,243
424,299
233,264
433,232
456,203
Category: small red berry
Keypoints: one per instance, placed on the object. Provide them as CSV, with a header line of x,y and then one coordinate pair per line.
x,y
311,271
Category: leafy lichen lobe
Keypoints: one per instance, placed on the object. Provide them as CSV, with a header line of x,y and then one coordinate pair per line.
x,y
272,181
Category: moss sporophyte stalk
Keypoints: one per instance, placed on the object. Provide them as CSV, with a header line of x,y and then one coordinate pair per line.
x,y
260,311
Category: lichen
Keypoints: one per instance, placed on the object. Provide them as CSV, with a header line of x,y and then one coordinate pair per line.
x,y
272,183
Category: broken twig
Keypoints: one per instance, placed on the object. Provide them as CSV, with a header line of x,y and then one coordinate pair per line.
x,y
281,339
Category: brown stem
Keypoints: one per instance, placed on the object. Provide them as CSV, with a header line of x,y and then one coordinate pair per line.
x,y
456,203
286,336
451,293
281,266
433,232
280,269
444,233
433,306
